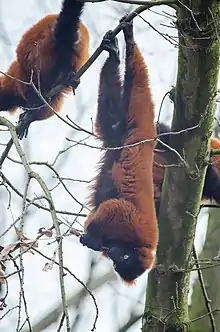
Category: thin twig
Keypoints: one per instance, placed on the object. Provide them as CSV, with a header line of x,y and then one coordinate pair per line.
x,y
21,273
161,105
22,296
170,3
79,281
163,35
204,292
9,310
36,204
203,316
42,163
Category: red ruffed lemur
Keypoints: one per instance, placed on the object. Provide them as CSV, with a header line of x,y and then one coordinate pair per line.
x,y
122,223
49,53
211,189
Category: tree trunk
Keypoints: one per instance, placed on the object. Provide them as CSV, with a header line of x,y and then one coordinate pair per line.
x,y
168,284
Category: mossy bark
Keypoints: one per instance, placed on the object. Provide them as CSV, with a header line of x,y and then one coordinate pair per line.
x,y
168,284
210,276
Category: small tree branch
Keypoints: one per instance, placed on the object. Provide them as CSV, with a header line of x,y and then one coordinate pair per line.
x,y
204,292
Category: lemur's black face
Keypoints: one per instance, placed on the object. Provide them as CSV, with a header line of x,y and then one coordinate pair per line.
x,y
125,258
126,262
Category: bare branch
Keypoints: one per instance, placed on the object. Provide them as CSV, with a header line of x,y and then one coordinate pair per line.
x,y
204,292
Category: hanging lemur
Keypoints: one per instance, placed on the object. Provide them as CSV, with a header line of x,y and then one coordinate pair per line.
x,y
49,52
123,223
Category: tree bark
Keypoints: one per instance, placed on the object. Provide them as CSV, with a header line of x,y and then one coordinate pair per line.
x,y
194,103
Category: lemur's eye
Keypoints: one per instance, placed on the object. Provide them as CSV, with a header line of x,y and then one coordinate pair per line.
x,y
126,257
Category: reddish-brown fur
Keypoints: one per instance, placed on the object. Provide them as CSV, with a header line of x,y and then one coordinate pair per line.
x,y
215,144
212,181
123,210
36,54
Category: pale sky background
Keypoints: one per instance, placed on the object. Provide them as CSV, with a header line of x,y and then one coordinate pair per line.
x,y
115,300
